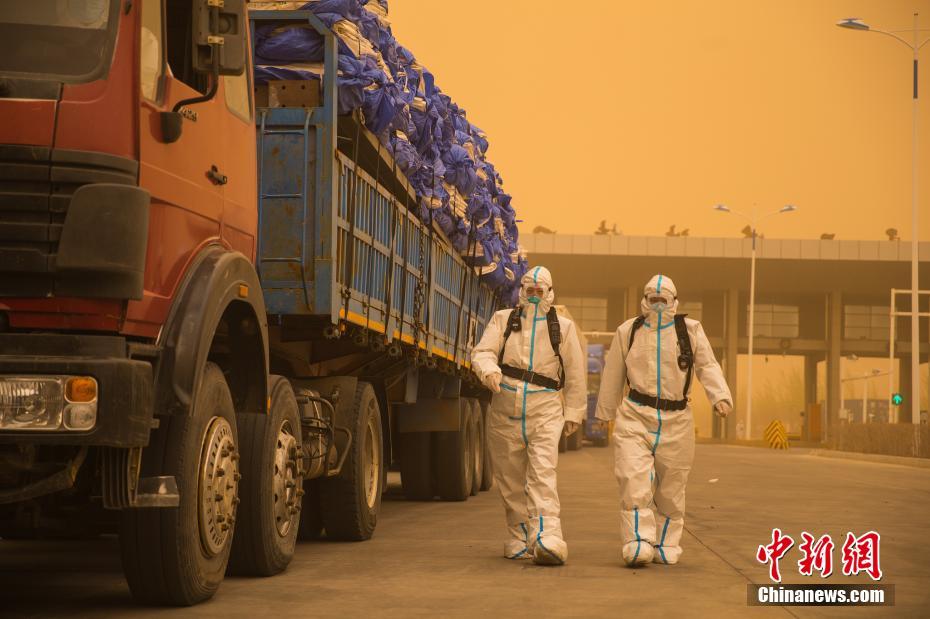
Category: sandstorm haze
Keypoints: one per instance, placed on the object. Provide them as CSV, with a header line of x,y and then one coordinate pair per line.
x,y
647,114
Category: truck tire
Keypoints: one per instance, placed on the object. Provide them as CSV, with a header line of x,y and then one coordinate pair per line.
x,y
416,472
453,459
351,501
487,468
477,446
269,515
178,556
311,513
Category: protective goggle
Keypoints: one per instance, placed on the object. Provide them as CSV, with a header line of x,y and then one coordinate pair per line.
x,y
535,291
657,298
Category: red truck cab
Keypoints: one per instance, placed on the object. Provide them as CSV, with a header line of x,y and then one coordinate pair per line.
x,y
94,120
126,275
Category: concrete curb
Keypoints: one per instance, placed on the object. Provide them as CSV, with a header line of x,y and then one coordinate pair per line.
x,y
922,463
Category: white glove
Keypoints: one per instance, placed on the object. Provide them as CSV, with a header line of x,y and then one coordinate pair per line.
x,y
493,381
722,408
570,427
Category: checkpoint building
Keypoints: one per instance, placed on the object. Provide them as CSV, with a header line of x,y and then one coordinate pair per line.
x,y
820,300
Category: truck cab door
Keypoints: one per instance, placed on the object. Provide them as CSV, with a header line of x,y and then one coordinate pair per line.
x,y
240,214
184,178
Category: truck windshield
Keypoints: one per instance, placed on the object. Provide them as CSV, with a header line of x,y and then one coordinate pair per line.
x,y
67,41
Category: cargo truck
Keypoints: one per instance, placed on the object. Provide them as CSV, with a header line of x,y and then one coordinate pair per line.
x,y
220,325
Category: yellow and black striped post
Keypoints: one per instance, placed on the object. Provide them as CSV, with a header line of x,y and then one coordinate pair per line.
x,y
776,435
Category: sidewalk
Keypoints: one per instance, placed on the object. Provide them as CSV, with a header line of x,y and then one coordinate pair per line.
x,y
923,463
812,449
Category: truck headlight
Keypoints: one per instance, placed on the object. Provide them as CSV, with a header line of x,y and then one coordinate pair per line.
x,y
48,402
80,416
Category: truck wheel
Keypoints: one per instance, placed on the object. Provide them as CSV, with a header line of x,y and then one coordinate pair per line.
x,y
477,449
453,458
311,514
178,556
487,468
416,473
352,500
269,515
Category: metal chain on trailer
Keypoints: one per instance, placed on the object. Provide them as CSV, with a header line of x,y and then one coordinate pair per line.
x,y
418,326
371,249
403,294
474,299
350,237
428,283
389,275
467,271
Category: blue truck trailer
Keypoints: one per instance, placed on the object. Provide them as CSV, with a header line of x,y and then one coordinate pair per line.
x,y
371,315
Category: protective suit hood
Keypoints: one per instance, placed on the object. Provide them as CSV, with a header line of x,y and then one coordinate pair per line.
x,y
538,276
663,286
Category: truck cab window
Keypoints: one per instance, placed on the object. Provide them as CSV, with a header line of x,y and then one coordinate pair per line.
x,y
151,55
237,95
179,25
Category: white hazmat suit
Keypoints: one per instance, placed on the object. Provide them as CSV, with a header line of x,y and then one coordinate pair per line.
x,y
525,420
654,443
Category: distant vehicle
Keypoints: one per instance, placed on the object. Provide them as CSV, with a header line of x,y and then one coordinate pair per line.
x,y
595,431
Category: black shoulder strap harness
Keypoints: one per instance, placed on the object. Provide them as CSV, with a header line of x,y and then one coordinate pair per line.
x,y
555,339
685,364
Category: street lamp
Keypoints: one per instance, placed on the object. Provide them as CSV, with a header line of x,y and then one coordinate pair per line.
x,y
854,23
753,220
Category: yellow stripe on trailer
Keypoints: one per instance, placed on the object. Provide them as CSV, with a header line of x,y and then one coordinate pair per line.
x,y
362,321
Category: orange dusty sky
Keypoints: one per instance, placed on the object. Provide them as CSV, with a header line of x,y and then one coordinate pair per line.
x,y
648,113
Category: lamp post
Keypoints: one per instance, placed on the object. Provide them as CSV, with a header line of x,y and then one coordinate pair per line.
x,y
753,219
854,23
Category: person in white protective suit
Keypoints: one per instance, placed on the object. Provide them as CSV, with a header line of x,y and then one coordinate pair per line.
x,y
531,359
653,357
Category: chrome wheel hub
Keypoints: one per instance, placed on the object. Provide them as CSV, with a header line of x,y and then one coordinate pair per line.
x,y
218,487
372,454
286,481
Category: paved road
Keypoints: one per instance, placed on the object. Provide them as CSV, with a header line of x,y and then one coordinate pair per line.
x,y
437,558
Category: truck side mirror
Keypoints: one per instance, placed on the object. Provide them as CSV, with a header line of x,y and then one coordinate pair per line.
x,y
219,28
219,45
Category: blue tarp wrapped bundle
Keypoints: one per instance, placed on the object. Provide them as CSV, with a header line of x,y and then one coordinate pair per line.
x,y
430,137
